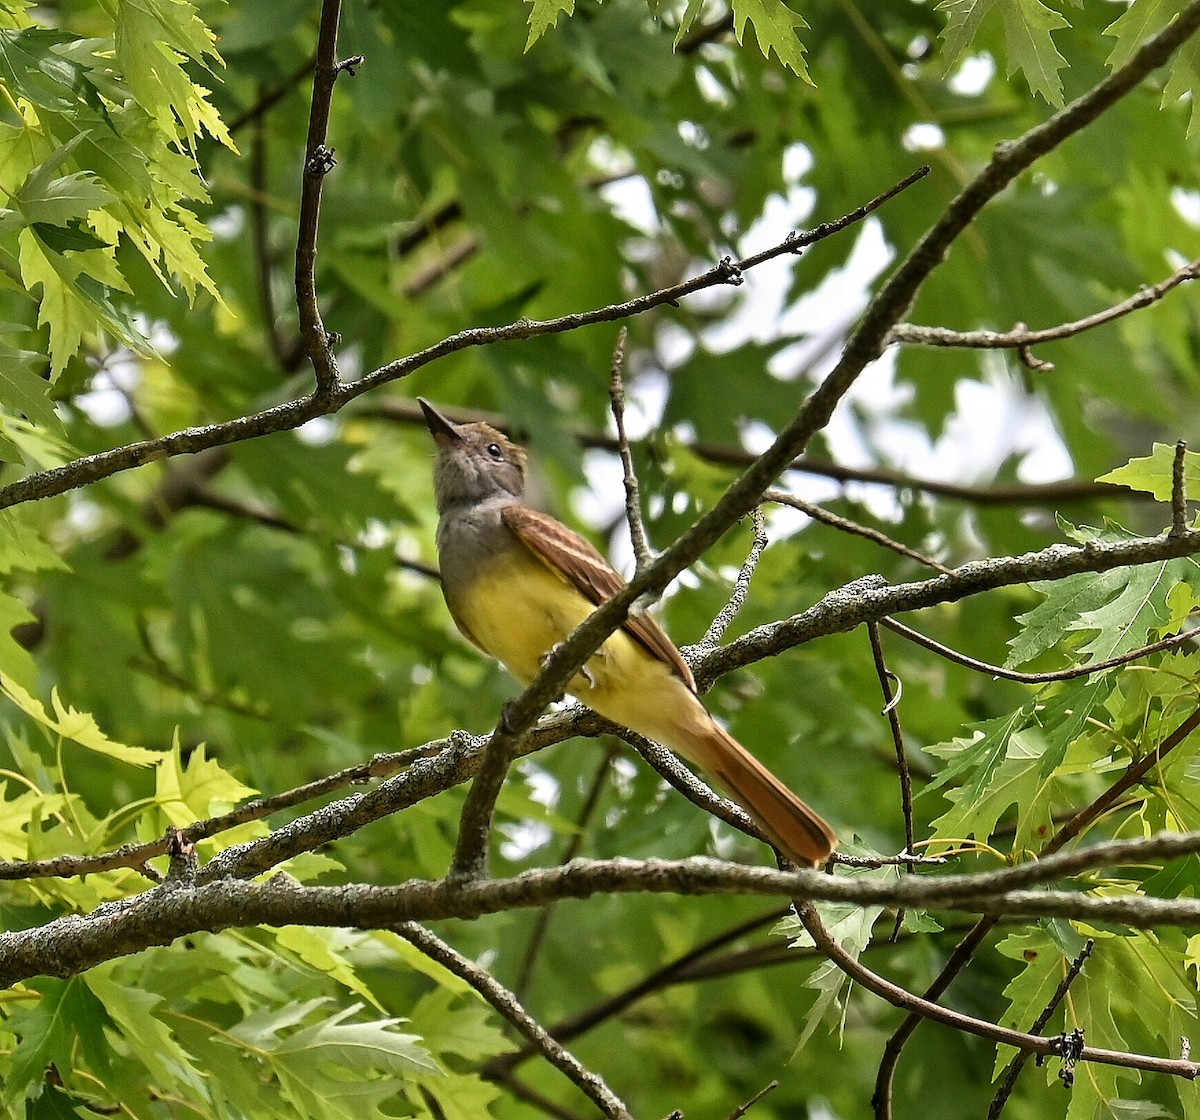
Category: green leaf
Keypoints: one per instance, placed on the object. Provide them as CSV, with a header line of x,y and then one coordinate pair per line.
x,y
1028,25
53,1104
24,391
137,1015
1154,473
978,806
1140,20
543,15
68,238
461,1097
1030,991
201,788
775,27
152,39
79,727
66,1015
850,926
373,1046
1126,622
981,752
1027,28
449,1024
56,201
322,949
15,660
963,20
689,17
1183,80
29,64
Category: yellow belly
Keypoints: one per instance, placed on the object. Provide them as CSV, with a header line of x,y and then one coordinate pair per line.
x,y
623,680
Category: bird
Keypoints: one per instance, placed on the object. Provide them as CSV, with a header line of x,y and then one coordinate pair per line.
x,y
517,582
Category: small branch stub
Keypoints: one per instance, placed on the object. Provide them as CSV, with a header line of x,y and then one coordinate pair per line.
x,y
1179,490
321,162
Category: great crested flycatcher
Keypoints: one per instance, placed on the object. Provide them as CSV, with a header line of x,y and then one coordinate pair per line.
x,y
517,582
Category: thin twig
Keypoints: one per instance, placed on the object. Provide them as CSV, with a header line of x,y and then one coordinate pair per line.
x,y
881,1099
1021,338
819,513
741,1110
873,863
891,710
294,413
136,856
914,1004
741,587
1013,1072
538,935
609,1007
318,162
1133,774
589,1083
1182,638
1179,510
531,1096
633,496
1024,494
267,101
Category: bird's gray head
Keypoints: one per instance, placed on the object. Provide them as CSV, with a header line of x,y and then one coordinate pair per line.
x,y
474,462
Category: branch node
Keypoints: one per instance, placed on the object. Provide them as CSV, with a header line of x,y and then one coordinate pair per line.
x,y
730,272
1026,355
1070,1047
321,162
463,740
182,852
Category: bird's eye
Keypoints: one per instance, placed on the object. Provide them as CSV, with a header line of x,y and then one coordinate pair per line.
x,y
494,450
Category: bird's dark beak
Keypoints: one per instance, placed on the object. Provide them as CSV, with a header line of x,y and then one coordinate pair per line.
x,y
442,430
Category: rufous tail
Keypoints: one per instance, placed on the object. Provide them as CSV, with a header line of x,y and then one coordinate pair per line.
x,y
795,829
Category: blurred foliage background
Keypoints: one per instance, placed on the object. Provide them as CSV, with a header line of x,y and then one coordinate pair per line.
x,y
255,617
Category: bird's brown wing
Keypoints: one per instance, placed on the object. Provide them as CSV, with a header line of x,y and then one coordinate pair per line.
x,y
564,551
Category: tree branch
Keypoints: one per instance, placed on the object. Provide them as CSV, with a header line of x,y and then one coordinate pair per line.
x,y
1017,338
1085,670
1036,1044
68,945
1026,494
1039,1024
819,513
871,599
292,414
589,1083
741,587
318,162
633,493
